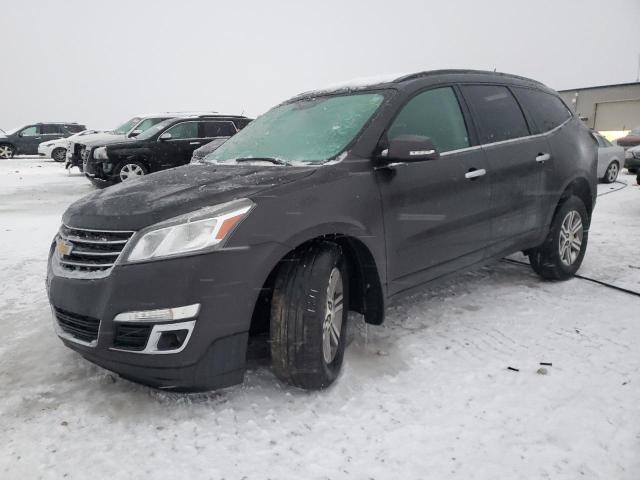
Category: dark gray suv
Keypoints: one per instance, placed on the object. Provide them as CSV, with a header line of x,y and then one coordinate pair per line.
x,y
335,200
25,140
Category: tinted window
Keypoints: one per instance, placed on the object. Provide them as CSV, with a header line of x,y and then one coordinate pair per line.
x,y
75,128
217,129
241,123
435,114
547,110
50,129
184,130
497,113
30,131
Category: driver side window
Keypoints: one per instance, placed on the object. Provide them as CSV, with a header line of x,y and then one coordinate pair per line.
x,y
184,130
30,131
435,114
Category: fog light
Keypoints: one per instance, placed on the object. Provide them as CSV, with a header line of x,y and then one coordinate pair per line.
x,y
159,315
171,340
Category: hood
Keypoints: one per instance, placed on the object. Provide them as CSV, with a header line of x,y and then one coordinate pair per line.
x,y
141,202
101,138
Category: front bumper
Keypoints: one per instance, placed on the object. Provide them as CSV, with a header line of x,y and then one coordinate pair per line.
x,y
45,151
226,284
632,162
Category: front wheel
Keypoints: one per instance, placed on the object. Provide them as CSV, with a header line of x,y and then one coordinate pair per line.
x,y
7,151
59,155
130,169
309,317
611,175
560,255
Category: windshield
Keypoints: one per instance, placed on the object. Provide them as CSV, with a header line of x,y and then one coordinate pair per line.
x,y
308,131
126,126
150,132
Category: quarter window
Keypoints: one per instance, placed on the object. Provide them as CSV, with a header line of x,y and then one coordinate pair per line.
x,y
498,115
547,110
435,114
184,130
217,129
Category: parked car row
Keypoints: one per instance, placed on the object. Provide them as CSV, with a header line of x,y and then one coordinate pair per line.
x,y
26,140
335,200
166,144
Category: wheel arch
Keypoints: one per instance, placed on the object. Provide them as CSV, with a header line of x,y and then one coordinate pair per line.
x,y
581,188
365,282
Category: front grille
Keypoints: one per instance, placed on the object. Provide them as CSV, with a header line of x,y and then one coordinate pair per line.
x,y
84,153
84,251
80,327
131,337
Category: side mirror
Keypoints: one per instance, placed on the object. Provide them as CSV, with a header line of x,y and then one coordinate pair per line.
x,y
135,133
166,136
410,148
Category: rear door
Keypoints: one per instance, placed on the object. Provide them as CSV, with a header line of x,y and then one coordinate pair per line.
x,y
436,219
516,162
51,131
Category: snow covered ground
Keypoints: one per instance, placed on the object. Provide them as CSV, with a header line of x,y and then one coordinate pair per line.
x,y
427,395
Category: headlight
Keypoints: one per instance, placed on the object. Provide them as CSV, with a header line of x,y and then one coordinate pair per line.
x,y
636,154
100,153
48,144
200,230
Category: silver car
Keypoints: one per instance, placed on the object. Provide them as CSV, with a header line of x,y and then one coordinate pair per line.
x,y
610,159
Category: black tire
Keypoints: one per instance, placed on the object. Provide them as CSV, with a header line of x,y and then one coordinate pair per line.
x,y
127,165
299,313
7,151
546,259
611,175
638,179
632,171
59,155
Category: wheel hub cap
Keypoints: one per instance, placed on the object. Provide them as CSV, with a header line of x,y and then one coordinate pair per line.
x,y
130,170
571,235
332,327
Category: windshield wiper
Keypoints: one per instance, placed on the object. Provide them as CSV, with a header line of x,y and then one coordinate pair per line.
x,y
275,161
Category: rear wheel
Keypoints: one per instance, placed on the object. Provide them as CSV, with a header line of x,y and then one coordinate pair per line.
x,y
130,169
7,151
561,254
309,317
611,175
59,155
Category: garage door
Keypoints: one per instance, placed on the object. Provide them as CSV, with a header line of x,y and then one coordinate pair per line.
x,y
617,115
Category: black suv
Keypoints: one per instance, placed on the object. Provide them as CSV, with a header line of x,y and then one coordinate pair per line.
x,y
332,201
167,144
25,140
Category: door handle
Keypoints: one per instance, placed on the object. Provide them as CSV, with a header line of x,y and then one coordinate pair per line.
x,y
543,157
473,173
194,143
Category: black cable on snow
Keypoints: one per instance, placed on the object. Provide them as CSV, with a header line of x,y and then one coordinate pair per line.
x,y
624,185
582,277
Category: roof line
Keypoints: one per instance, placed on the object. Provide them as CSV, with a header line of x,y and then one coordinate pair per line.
x,y
600,86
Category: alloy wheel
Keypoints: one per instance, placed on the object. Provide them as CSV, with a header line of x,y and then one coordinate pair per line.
x,y
131,170
60,155
6,151
571,234
332,327
612,173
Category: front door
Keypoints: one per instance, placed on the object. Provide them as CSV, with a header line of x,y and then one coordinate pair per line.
x,y
30,138
177,150
436,215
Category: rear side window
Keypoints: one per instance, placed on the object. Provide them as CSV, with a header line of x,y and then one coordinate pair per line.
x,y
51,129
217,129
497,113
546,110
241,123
435,114
75,128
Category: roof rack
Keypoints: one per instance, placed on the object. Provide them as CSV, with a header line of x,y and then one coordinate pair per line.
x,y
427,73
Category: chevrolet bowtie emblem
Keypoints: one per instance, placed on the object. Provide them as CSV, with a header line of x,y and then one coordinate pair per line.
x,y
63,248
